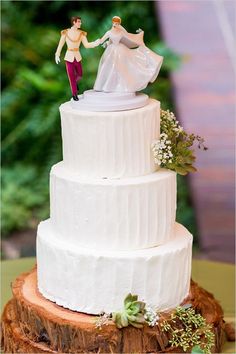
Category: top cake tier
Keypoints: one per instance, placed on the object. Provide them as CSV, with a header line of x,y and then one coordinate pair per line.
x,y
110,144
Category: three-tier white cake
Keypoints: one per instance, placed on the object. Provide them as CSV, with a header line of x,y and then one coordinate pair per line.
x,y
112,226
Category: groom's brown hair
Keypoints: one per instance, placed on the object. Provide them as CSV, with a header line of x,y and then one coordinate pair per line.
x,y
74,19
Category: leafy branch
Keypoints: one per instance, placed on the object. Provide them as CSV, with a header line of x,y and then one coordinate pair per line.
x,y
189,330
173,149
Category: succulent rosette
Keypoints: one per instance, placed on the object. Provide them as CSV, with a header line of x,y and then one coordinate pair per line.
x,y
132,314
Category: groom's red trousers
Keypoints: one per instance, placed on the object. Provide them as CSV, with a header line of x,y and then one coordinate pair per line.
x,y
74,72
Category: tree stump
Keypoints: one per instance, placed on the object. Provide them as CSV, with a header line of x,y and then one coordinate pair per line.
x,y
33,324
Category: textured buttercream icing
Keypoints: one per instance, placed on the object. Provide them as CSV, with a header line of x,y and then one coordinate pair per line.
x,y
112,226
110,144
128,213
92,281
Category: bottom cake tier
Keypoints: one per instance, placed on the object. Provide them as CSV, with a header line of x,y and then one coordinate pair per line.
x,y
32,324
92,282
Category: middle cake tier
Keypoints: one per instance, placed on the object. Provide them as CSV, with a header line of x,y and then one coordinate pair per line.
x,y
122,214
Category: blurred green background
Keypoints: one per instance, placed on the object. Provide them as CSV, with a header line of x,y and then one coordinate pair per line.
x,y
33,87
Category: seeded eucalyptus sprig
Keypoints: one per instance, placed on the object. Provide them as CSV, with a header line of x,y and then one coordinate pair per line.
x,y
173,149
132,314
188,330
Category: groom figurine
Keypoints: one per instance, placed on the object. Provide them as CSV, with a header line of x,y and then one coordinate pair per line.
x,y
73,37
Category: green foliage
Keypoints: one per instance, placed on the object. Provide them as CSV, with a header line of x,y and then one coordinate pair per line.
x,y
172,60
20,207
173,151
132,314
188,330
197,350
185,213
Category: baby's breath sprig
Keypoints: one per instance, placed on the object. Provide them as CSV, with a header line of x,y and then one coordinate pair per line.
x,y
172,149
103,320
151,316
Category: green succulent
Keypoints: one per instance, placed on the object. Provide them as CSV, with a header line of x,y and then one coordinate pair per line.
x,y
132,314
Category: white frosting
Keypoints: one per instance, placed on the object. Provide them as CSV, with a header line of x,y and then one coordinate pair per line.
x,y
128,213
93,281
110,144
109,211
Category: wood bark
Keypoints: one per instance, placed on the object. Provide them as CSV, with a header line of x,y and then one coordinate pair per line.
x,y
33,324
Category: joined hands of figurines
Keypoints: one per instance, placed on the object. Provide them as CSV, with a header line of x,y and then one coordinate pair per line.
x,y
126,65
73,37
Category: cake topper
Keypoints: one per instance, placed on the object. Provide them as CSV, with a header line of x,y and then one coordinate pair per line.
x,y
127,65
73,37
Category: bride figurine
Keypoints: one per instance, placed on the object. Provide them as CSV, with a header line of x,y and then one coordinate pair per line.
x,y
127,65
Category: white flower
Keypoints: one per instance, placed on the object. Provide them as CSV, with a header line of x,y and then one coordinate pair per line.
x,y
151,316
102,320
154,144
162,150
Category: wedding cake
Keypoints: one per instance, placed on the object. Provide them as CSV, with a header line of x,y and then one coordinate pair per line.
x,y
111,233
112,236
112,226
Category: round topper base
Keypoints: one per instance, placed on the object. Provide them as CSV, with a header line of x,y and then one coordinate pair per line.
x,y
32,324
97,101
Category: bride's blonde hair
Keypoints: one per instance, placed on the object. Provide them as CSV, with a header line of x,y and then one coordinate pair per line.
x,y
116,19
